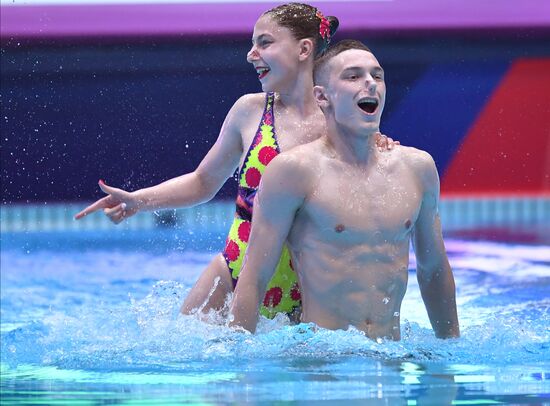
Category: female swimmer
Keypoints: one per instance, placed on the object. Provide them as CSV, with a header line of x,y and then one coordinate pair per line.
x,y
285,42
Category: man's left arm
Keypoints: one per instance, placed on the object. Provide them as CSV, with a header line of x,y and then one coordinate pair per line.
x,y
433,271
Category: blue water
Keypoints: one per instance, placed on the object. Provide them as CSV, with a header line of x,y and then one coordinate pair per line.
x,y
93,318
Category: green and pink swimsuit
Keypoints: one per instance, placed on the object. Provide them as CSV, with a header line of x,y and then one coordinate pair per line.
x,y
283,293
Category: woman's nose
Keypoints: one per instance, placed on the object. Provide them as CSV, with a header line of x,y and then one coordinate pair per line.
x,y
252,55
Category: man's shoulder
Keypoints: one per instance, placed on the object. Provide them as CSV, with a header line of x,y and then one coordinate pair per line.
x,y
309,150
415,158
421,163
296,163
295,159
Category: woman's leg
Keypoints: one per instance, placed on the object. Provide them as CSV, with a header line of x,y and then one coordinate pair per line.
x,y
210,291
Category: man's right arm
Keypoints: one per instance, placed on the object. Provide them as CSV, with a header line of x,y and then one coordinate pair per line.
x,y
281,194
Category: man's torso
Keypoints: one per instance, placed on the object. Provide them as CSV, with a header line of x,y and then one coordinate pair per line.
x,y
350,241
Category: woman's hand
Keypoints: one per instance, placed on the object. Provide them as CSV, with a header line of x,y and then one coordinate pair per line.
x,y
117,205
385,143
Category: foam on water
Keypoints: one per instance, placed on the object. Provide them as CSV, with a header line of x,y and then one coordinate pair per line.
x,y
115,311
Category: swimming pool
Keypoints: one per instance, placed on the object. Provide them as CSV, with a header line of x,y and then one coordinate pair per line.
x,y
91,317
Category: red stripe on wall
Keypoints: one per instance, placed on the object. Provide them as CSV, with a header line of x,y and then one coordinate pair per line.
x,y
507,150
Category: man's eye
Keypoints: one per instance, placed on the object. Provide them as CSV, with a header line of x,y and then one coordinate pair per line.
x,y
353,77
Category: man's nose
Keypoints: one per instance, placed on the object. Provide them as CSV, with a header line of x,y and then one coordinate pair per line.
x,y
370,83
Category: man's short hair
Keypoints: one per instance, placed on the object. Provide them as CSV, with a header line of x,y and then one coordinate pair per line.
x,y
338,48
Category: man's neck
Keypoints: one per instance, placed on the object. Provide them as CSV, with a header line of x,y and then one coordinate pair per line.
x,y
352,147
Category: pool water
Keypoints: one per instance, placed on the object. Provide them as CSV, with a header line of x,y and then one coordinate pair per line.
x,y
93,318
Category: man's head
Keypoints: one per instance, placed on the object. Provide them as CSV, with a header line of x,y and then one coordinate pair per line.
x,y
349,86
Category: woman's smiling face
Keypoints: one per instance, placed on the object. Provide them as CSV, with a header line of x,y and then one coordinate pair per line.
x,y
274,54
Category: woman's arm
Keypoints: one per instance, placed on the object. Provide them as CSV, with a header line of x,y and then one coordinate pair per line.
x,y
186,190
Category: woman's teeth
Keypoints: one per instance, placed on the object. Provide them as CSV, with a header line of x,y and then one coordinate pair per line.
x,y
262,72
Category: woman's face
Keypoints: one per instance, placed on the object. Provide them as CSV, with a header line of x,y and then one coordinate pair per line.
x,y
274,54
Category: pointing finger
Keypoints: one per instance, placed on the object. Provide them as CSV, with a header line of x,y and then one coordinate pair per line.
x,y
100,204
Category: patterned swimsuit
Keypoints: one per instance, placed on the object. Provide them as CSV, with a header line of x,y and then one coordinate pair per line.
x,y
283,293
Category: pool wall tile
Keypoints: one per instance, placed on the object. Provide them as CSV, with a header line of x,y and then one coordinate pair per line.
x,y
457,213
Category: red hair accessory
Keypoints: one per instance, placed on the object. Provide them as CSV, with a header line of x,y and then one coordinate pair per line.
x,y
324,26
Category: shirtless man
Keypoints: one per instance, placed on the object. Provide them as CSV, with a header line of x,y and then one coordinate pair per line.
x,y
349,212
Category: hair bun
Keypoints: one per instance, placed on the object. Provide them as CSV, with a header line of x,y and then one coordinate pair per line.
x,y
334,24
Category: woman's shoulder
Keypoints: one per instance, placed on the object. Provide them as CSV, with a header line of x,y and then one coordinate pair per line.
x,y
246,108
250,100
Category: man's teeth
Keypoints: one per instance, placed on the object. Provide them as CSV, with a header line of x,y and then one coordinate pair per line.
x,y
262,71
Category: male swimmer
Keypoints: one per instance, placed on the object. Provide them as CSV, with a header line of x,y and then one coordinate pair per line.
x,y
285,42
348,213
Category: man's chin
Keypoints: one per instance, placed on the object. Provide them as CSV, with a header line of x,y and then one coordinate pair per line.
x,y
359,125
371,126
360,131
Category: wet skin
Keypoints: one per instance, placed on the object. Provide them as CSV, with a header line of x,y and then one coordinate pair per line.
x,y
349,213
298,120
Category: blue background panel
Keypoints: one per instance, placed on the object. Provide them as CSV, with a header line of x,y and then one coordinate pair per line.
x,y
441,106
138,112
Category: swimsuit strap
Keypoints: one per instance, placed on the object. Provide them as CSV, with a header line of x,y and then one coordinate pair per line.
x,y
263,149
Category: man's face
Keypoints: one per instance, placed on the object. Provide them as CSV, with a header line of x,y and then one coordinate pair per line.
x,y
355,90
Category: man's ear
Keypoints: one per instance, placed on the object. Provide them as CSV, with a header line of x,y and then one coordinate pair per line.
x,y
320,97
306,48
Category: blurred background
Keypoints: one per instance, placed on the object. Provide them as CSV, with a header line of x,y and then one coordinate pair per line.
x,y
134,92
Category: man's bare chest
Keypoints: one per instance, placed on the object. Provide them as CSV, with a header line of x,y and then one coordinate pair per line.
x,y
374,208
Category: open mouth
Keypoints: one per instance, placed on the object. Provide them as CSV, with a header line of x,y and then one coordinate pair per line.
x,y
368,105
262,72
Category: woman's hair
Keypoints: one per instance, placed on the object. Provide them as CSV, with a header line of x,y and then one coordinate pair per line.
x,y
305,21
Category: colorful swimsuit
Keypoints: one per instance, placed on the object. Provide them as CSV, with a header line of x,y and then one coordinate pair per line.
x,y
283,294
